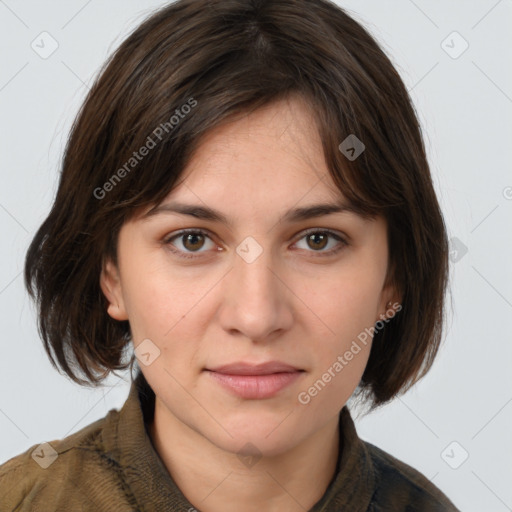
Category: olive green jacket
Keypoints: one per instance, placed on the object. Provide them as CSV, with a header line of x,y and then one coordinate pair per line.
x,y
112,466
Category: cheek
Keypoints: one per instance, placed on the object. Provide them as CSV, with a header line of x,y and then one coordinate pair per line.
x,y
347,309
151,297
348,304
163,302
342,352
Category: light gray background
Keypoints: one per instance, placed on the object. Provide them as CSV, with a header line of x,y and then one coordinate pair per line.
x,y
464,105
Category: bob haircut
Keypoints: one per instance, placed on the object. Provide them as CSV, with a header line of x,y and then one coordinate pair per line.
x,y
188,68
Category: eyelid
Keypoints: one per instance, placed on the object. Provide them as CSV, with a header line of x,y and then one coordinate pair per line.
x,y
332,232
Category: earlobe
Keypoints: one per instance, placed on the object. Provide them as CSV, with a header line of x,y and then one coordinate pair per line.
x,y
391,309
391,302
111,286
387,311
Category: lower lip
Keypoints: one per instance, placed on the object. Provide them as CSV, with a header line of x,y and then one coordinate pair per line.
x,y
255,386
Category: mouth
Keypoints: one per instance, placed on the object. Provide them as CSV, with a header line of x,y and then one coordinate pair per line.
x,y
256,382
245,368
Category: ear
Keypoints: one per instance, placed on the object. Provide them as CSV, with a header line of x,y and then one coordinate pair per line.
x,y
390,301
110,283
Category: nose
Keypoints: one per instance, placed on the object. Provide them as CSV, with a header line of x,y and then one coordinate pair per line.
x,y
256,302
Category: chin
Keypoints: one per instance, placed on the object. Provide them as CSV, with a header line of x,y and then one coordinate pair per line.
x,y
258,438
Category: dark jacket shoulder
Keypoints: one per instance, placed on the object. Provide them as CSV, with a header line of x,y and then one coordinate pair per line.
x,y
400,487
57,475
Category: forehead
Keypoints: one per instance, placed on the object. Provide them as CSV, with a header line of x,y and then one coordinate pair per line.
x,y
272,152
268,165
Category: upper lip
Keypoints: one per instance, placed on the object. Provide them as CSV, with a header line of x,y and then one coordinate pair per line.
x,y
243,368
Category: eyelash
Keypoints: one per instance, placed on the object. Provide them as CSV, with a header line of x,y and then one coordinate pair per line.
x,y
167,241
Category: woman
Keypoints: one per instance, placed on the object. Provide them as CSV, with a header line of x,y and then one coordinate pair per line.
x,y
245,200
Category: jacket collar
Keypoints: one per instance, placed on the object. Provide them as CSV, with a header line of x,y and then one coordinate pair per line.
x,y
127,441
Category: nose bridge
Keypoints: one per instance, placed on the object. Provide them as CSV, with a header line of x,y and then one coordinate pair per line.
x,y
254,301
252,271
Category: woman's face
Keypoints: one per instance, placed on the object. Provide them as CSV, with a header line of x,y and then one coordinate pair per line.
x,y
254,288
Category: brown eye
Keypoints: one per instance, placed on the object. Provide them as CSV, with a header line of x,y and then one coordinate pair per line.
x,y
186,243
193,241
317,240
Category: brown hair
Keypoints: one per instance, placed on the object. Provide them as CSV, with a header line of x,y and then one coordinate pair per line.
x,y
189,67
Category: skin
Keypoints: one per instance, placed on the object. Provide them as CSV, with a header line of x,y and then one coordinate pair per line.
x,y
294,303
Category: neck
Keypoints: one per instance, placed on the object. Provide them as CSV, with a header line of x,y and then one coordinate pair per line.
x,y
215,480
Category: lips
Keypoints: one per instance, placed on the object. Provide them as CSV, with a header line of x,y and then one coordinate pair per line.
x,y
255,381
245,368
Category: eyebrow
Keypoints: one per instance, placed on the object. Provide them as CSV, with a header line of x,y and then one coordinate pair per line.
x,y
293,215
